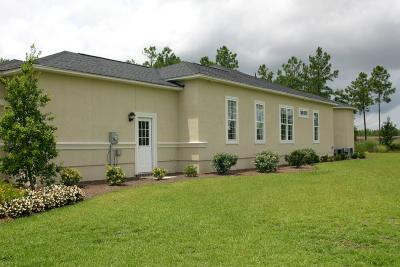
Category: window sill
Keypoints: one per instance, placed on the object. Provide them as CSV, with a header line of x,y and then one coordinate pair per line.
x,y
232,142
287,142
260,142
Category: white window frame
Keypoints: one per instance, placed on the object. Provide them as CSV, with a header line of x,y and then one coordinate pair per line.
x,y
318,126
304,116
280,125
231,141
256,102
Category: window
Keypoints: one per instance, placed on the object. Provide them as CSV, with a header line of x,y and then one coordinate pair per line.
x,y
316,126
259,122
303,113
232,125
286,124
144,133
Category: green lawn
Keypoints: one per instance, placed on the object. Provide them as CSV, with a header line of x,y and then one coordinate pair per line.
x,y
343,213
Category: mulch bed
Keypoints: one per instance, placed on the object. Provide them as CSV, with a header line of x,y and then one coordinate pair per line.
x,y
100,187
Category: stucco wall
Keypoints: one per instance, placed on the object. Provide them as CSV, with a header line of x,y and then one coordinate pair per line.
x,y
211,123
343,128
190,123
86,110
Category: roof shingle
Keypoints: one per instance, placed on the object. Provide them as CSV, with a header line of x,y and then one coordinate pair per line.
x,y
163,76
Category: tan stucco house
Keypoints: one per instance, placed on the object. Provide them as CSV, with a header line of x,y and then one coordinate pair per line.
x,y
111,111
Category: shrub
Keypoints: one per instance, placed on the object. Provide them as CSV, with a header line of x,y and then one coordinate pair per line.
x,y
324,158
310,157
296,158
388,132
115,175
223,162
381,149
190,171
43,199
396,145
339,157
361,155
354,155
9,192
70,176
159,173
266,161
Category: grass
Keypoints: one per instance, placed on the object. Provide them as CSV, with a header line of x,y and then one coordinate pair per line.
x,y
343,213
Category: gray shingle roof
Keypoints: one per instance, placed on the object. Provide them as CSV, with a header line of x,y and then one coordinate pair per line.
x,y
99,66
164,76
10,65
183,69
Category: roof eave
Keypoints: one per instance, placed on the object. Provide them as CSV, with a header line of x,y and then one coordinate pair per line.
x,y
202,76
88,75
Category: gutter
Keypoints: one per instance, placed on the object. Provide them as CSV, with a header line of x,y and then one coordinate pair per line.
x,y
205,77
88,75
340,107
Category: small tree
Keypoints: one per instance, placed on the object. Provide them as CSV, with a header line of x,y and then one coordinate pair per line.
x,y
226,58
292,74
382,88
389,131
4,60
29,142
319,73
205,61
359,94
165,58
265,73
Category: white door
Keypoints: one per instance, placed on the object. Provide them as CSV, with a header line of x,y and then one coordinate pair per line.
x,y
144,161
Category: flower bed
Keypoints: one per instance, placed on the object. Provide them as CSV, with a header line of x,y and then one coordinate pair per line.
x,y
42,199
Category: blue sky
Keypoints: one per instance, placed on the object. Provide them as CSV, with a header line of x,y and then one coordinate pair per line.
x,y
358,34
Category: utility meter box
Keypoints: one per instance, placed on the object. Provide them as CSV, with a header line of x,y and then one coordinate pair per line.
x,y
113,138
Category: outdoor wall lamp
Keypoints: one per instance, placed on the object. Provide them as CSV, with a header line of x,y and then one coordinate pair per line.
x,y
131,116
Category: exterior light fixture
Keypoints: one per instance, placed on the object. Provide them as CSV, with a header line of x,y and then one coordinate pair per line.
x,y
131,116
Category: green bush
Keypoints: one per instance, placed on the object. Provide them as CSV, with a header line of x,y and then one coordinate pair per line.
x,y
366,146
296,158
9,192
381,148
115,175
324,158
159,173
190,171
388,132
70,176
267,161
358,155
310,156
396,145
339,157
223,162
361,155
